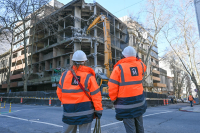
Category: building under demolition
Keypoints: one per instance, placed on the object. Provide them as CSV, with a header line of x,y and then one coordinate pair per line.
x,y
51,40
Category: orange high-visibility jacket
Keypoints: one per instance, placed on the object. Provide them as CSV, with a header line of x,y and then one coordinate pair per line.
x,y
125,88
78,109
190,98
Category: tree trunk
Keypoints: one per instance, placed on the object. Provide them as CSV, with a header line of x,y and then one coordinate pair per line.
x,y
25,85
26,60
8,76
10,64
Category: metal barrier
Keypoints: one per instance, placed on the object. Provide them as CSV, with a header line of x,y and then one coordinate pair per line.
x,y
51,99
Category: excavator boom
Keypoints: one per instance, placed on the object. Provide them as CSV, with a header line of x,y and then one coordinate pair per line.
x,y
107,41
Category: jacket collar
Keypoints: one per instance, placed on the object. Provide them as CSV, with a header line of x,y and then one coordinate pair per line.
x,y
126,60
84,69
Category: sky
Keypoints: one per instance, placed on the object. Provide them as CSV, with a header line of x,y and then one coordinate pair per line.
x,y
122,8
116,6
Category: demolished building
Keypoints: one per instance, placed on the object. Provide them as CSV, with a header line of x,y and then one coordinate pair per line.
x,y
59,31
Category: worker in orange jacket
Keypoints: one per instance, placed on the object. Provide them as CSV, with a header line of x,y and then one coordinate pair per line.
x,y
78,109
191,98
126,91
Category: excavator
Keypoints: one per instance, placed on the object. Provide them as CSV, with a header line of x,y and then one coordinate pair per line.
x,y
101,78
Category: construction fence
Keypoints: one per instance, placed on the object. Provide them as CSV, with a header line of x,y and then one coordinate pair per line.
x,y
50,98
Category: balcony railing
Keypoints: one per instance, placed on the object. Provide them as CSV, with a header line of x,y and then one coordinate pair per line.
x,y
18,67
18,58
159,85
17,76
156,78
156,72
142,50
13,84
154,64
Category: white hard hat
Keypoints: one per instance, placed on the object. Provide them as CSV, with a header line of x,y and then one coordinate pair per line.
x,y
129,51
79,55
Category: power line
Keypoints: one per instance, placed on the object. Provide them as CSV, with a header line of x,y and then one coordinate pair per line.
x,y
128,6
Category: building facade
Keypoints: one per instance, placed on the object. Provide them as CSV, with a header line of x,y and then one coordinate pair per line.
x,y
51,40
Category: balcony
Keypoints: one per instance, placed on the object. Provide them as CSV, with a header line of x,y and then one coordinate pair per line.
x,y
18,67
40,80
17,76
18,58
156,72
154,64
159,85
13,84
156,78
148,85
142,50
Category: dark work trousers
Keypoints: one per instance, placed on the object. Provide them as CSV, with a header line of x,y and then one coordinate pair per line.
x,y
191,103
134,125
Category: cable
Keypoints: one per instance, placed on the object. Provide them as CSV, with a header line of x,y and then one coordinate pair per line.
x,y
128,6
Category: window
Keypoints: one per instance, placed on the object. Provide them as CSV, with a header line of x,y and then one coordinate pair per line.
x,y
143,58
50,65
22,52
157,62
15,55
68,61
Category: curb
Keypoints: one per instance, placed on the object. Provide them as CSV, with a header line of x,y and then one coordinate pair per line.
x,y
188,110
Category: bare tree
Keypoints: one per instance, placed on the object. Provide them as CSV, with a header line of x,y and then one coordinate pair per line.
x,y
180,84
7,36
185,43
21,12
177,72
188,85
158,15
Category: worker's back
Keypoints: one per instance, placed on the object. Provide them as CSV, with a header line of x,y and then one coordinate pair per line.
x,y
130,100
75,100
126,90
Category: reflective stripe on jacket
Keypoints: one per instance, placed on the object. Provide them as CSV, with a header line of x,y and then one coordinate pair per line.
x,y
78,109
125,88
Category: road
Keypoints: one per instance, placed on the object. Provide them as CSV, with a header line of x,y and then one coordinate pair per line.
x,y
44,119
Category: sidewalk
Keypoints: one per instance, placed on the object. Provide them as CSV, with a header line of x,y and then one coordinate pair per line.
x,y
195,108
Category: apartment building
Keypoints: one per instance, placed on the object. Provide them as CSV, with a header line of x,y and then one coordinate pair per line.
x,y
174,80
170,88
138,34
163,80
51,40
4,66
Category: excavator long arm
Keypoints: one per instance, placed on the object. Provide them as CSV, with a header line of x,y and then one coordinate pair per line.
x,y
107,42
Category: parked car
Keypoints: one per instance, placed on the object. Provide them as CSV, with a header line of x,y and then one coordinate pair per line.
x,y
185,100
179,100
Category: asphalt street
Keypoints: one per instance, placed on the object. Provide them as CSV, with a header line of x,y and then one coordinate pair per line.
x,y
45,119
